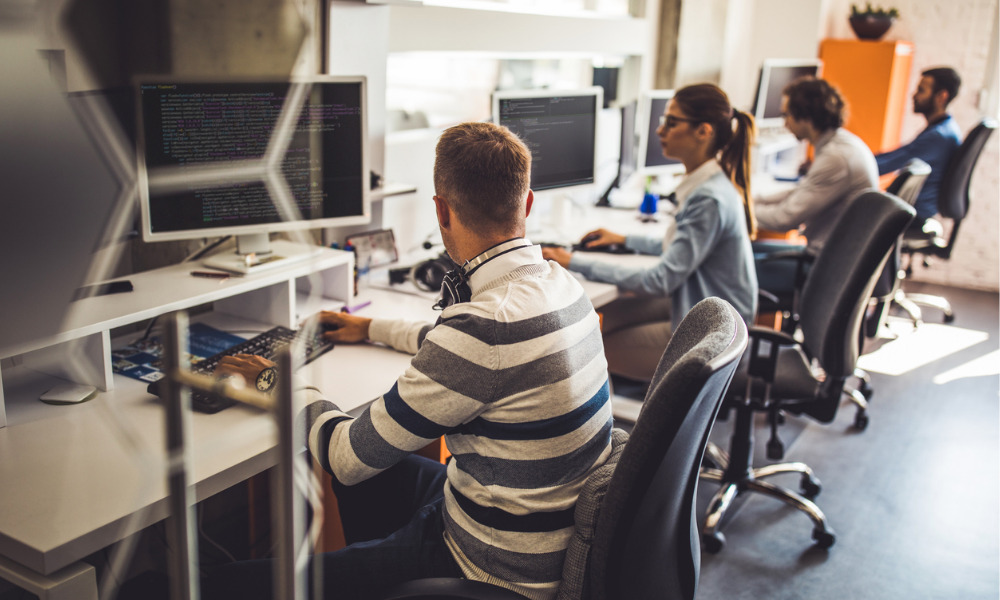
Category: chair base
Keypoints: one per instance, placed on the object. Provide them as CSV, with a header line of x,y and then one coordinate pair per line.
x,y
931,301
712,538
860,396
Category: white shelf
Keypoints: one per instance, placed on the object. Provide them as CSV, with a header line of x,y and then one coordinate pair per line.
x,y
417,28
81,351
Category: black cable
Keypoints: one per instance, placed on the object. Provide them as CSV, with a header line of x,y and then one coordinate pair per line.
x,y
206,249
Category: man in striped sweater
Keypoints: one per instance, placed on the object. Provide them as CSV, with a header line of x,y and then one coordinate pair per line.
x,y
513,375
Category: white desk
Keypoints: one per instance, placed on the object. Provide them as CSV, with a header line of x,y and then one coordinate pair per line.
x,y
80,478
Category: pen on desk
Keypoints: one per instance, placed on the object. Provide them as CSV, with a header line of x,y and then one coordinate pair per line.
x,y
353,309
210,274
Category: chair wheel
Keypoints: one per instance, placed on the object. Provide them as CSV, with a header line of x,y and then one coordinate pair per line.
x,y
775,449
810,486
713,542
866,389
948,318
861,420
824,539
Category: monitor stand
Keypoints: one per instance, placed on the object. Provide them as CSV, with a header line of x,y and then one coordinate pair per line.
x,y
257,253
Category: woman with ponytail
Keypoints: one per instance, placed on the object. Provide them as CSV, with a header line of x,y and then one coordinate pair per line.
x,y
709,253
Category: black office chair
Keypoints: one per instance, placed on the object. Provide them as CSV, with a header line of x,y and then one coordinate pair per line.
x,y
953,203
808,376
636,534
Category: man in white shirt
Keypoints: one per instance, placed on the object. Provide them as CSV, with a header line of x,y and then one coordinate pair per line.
x,y
841,169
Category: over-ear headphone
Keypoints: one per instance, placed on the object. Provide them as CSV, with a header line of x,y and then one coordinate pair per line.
x,y
426,275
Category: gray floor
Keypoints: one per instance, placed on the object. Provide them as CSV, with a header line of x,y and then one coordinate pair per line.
x,y
913,499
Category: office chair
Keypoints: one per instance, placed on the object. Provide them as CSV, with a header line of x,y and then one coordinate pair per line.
x,y
636,536
953,203
806,377
907,186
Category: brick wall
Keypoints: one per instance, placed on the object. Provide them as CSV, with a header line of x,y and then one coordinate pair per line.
x,y
960,34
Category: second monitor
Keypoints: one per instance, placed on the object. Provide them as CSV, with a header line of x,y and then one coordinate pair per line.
x,y
652,106
775,75
560,129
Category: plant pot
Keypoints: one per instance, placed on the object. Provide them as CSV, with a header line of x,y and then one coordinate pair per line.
x,y
870,27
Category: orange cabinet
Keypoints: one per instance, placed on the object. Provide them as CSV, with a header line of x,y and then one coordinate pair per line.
x,y
874,78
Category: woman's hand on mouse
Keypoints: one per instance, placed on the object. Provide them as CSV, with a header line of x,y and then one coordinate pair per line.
x,y
601,237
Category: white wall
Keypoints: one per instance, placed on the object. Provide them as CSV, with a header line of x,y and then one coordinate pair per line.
x,y
961,34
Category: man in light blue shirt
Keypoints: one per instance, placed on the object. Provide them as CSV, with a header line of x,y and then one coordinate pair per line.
x,y
936,144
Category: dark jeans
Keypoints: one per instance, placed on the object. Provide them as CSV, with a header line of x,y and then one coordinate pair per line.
x,y
393,524
777,276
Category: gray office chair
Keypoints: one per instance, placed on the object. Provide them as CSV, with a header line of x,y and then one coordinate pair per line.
x,y
953,203
780,374
907,186
636,535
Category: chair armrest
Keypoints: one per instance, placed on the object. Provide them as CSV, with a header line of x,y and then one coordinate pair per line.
x,y
764,366
799,254
767,334
763,294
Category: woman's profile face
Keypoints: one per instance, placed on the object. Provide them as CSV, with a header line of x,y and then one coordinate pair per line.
x,y
676,133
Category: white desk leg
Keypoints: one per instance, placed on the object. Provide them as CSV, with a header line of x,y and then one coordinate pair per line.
x,y
75,582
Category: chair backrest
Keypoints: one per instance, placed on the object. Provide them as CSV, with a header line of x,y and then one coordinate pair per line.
x,y
646,542
909,181
841,280
953,198
907,186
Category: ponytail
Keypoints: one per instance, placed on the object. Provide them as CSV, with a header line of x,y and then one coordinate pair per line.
x,y
735,162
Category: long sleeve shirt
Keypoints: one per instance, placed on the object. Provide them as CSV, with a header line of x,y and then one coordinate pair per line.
x,y
935,145
516,381
842,168
709,254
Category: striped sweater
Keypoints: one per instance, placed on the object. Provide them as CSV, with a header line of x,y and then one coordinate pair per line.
x,y
516,381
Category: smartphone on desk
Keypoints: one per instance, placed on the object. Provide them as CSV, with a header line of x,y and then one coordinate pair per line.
x,y
103,289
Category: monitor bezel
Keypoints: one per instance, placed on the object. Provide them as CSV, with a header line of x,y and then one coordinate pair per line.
x,y
642,123
763,81
258,228
597,92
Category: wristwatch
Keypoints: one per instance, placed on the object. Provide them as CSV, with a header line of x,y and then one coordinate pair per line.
x,y
266,379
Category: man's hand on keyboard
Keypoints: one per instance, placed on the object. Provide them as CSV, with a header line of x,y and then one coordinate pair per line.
x,y
342,327
245,366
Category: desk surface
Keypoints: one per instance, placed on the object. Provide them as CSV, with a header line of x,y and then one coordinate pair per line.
x,y
82,477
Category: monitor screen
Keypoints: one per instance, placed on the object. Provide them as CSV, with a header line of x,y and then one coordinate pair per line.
x,y
560,129
627,162
653,105
209,156
775,75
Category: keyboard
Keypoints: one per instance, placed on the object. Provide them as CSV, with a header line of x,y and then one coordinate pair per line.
x,y
266,344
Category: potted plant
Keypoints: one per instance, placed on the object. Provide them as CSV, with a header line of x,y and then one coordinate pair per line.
x,y
871,23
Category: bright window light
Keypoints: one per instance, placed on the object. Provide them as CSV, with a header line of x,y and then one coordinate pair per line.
x,y
915,348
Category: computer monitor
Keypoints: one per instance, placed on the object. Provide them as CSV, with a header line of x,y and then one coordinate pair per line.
x,y
775,75
627,157
214,156
560,129
59,197
652,105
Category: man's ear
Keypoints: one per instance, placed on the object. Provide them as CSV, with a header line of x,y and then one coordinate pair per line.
x,y
443,212
941,99
528,203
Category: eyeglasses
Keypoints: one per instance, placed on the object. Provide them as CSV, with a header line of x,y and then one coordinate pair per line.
x,y
670,121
